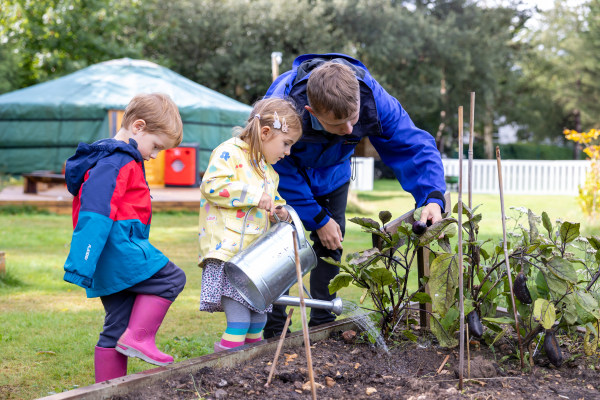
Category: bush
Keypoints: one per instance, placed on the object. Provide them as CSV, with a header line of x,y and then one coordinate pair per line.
x,y
524,151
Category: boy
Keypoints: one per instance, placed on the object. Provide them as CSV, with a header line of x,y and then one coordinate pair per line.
x,y
110,254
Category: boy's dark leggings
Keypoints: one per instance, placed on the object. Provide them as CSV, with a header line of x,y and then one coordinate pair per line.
x,y
166,283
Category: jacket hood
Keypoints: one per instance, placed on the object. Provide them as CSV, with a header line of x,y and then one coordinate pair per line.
x,y
88,155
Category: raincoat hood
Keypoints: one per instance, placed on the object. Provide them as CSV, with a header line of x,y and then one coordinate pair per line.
x,y
88,155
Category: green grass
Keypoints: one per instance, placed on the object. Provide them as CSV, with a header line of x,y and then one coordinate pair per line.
x,y
48,328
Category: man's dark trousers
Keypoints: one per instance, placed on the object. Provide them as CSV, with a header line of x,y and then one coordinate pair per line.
x,y
335,204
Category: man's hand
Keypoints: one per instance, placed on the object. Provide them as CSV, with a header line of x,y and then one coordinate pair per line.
x,y
431,211
330,235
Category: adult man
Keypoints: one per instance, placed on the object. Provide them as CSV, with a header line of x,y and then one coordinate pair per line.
x,y
343,103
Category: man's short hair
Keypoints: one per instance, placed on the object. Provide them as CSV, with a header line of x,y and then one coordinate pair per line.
x,y
333,87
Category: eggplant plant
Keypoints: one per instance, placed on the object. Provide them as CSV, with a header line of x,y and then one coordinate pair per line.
x,y
383,273
555,280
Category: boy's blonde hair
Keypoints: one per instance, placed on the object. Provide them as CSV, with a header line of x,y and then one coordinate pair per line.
x,y
263,114
333,87
159,112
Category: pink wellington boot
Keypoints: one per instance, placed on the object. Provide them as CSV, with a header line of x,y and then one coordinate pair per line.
x,y
219,347
109,364
138,340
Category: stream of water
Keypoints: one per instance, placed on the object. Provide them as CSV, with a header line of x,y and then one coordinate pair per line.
x,y
361,318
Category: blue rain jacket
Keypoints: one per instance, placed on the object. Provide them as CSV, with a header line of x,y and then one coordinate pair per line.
x,y
112,211
320,162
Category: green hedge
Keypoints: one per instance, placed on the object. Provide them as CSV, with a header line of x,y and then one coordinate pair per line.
x,y
525,151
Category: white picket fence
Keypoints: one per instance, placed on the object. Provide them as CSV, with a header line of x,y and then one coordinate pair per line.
x,y
522,176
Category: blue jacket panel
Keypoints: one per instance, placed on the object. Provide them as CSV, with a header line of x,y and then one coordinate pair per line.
x,y
110,250
320,162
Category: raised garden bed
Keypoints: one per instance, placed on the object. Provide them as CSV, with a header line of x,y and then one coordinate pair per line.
x,y
356,370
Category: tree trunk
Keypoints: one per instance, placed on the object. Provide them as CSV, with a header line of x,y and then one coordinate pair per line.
x,y
439,137
577,147
488,131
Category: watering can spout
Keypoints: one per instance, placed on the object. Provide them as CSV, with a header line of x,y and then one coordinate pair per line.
x,y
336,305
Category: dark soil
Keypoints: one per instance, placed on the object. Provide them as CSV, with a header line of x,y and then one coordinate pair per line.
x,y
412,371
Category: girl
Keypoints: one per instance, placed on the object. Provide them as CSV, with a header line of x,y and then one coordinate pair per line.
x,y
239,180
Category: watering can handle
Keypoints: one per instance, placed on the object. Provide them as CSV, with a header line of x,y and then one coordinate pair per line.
x,y
244,228
295,219
297,226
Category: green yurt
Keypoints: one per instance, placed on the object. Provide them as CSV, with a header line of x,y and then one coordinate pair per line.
x,y
40,126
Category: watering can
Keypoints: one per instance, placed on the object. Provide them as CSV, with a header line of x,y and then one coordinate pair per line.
x,y
335,306
266,269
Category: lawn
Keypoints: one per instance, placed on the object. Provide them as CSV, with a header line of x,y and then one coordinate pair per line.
x,y
48,329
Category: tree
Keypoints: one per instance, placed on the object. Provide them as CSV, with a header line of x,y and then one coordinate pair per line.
x,y
56,37
557,76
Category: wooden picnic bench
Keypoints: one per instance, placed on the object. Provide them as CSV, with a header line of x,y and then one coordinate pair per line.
x,y
35,177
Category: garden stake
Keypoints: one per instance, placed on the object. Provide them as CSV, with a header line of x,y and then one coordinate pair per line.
x,y
468,354
279,346
471,137
510,283
471,272
443,363
311,377
461,304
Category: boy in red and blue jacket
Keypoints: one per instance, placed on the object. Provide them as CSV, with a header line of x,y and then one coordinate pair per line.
x,y
110,255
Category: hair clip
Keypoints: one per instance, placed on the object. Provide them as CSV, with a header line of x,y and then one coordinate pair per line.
x,y
276,122
257,116
284,128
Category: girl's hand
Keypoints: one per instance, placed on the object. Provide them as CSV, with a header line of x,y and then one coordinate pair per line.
x,y
281,213
266,203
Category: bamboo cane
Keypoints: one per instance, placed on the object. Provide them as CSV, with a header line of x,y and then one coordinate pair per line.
x,y
471,272
471,138
311,377
510,283
461,305
279,346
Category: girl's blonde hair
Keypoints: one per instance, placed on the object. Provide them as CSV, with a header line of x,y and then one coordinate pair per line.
x,y
278,114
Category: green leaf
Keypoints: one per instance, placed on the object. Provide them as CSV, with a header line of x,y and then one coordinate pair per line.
x,y
563,269
594,241
340,281
385,216
586,306
444,243
365,222
421,297
445,338
381,277
547,223
569,310
443,281
451,319
435,231
371,255
569,231
410,335
533,231
500,320
451,230
544,313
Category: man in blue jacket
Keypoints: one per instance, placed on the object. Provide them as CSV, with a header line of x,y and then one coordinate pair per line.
x,y
343,103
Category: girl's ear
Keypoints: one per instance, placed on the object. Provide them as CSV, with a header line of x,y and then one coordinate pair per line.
x,y
265,132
